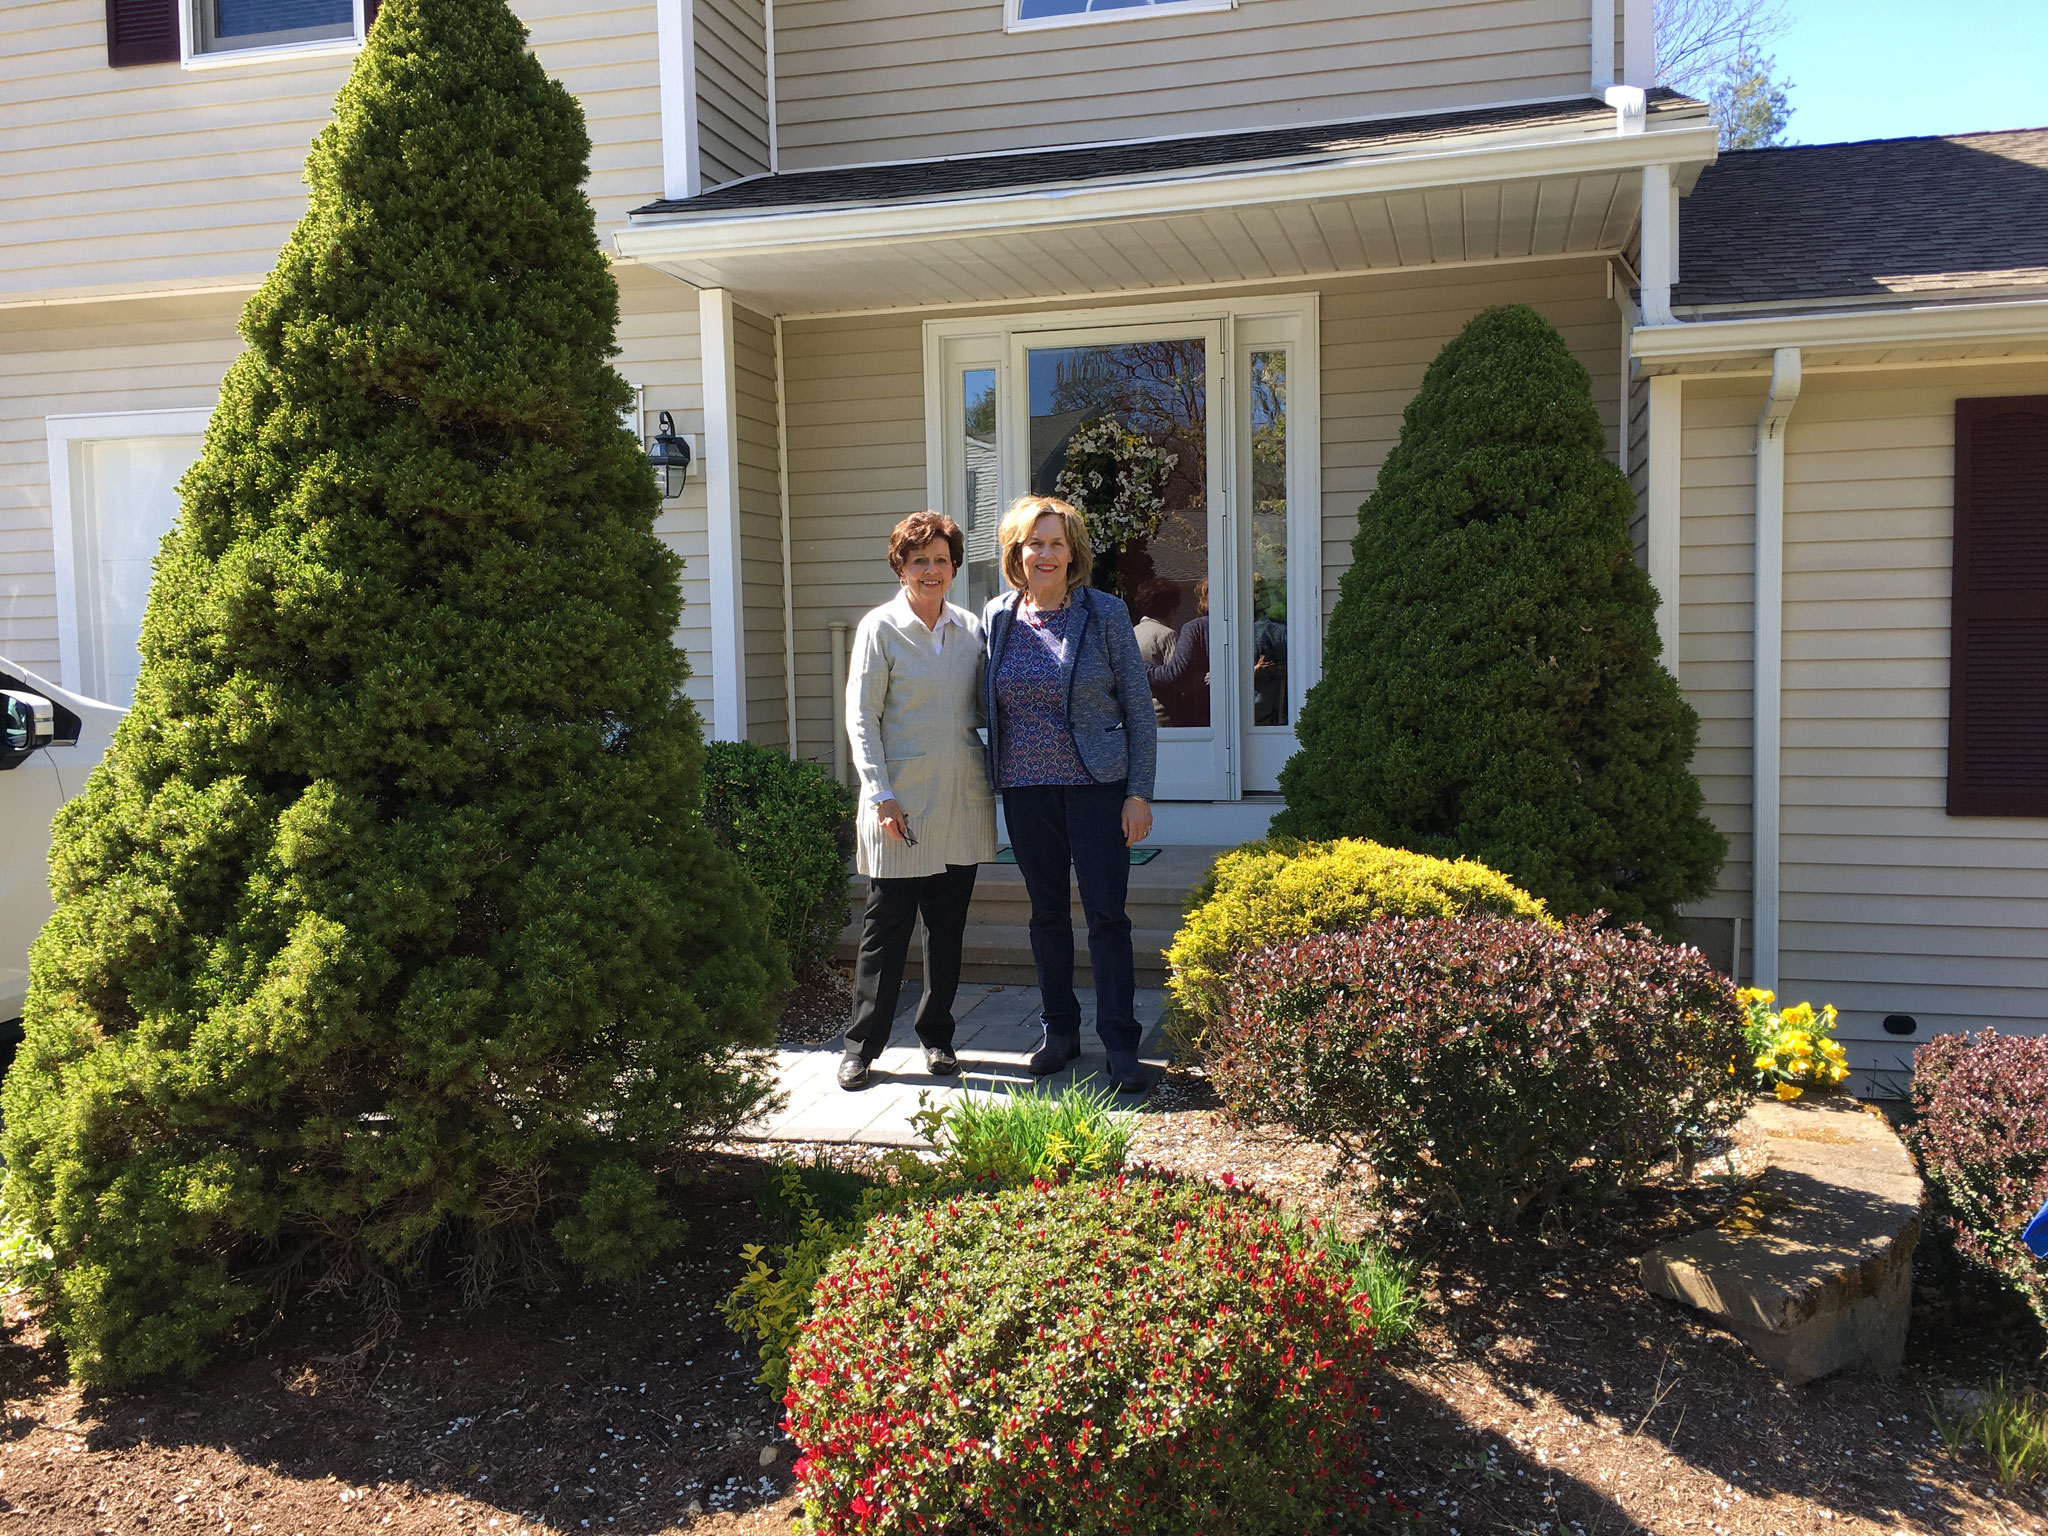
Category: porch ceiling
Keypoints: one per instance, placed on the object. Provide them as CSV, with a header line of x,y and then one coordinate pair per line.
x,y
1569,187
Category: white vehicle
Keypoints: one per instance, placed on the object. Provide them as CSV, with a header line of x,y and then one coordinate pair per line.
x,y
50,739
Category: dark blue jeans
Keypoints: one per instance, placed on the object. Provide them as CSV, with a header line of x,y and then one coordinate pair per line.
x,y
1054,827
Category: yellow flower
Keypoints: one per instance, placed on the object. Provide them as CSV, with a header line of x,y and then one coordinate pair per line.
x,y
1766,1062
1828,1016
1799,1015
1787,1092
1752,995
1832,1051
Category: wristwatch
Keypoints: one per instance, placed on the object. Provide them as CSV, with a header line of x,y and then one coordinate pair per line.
x,y
1139,798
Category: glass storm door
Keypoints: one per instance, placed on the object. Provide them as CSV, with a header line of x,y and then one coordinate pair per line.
x,y
1132,426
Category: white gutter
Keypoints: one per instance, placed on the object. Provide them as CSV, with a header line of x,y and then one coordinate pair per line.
x,y
659,237
1759,337
1766,797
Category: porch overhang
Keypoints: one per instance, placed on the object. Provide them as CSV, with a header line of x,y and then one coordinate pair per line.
x,y
1563,180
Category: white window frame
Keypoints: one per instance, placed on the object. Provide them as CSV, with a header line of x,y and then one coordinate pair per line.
x,y
1015,22
65,436
1290,321
192,56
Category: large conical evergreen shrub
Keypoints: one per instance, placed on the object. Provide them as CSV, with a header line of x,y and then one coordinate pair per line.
x,y
1490,682
389,929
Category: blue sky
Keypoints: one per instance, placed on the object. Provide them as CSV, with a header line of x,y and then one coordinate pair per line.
x,y
1883,69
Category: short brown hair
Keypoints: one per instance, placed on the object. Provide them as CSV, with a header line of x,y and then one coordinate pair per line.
x,y
1016,527
920,529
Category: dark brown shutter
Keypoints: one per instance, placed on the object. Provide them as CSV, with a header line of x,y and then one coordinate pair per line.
x,y
370,8
142,32
1998,658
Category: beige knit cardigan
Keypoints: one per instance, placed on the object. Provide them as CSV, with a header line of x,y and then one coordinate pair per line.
x,y
911,714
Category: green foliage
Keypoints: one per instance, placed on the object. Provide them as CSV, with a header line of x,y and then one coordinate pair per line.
x,y
1386,1280
994,1142
1103,1356
389,923
1279,889
2009,1423
791,826
1486,1067
1490,683
1748,104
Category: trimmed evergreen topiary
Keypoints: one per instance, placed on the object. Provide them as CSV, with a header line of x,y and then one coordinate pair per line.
x,y
389,929
1490,684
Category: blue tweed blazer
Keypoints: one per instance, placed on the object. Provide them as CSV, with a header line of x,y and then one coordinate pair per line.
x,y
1109,700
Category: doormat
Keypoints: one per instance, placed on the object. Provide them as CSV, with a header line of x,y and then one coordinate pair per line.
x,y
1138,855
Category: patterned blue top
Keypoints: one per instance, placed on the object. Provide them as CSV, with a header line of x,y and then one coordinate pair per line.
x,y
1035,745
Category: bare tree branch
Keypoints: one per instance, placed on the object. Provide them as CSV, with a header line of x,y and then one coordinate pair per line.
x,y
1698,39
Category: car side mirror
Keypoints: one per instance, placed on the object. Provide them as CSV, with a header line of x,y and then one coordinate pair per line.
x,y
27,721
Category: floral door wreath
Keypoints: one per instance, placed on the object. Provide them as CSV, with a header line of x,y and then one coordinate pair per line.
x,y
1117,478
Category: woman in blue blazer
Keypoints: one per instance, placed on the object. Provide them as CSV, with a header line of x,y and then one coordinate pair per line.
x,y
1072,748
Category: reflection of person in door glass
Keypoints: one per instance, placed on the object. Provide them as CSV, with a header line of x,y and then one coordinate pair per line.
x,y
1269,652
1157,604
1180,684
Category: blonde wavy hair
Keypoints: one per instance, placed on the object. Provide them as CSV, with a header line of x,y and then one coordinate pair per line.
x,y
1016,527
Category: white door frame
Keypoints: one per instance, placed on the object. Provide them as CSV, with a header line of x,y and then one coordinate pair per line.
x,y
997,342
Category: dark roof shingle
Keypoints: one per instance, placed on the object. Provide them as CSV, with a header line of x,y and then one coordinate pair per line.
x,y
932,180
1884,217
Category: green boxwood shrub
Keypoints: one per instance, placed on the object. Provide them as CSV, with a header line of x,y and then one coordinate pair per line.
x,y
791,826
1490,682
1486,1067
1280,889
389,926
1065,1360
1982,1141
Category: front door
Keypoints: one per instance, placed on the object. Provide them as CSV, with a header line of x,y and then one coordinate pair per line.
x,y
1163,432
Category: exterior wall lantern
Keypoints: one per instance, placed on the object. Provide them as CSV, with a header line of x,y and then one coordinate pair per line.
x,y
670,456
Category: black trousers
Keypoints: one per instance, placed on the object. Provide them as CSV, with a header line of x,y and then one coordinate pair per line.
x,y
892,912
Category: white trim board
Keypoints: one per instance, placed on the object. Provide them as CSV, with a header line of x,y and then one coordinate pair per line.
x,y
1759,337
675,50
62,435
722,515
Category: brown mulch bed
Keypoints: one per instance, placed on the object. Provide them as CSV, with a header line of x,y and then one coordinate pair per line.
x,y
1545,1393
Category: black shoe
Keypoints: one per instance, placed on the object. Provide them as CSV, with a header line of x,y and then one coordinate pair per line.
x,y
853,1073
940,1061
1128,1077
1054,1056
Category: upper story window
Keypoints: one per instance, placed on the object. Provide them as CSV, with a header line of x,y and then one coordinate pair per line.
x,y
228,25
1029,15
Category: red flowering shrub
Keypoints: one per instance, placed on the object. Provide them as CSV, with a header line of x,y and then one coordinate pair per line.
x,y
1486,1066
1118,1355
1982,1140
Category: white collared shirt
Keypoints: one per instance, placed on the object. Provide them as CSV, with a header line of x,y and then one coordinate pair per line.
x,y
938,630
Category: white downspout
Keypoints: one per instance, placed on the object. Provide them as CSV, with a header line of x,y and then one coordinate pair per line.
x,y
788,573
1766,796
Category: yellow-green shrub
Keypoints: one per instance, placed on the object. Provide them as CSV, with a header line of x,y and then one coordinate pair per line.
x,y
1282,889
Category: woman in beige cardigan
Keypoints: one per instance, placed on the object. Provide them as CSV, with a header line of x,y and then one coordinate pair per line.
x,y
927,815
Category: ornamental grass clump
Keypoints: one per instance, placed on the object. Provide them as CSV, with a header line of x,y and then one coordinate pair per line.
x,y
1491,685
1982,1141
1792,1050
1486,1068
1123,1355
389,940
1272,891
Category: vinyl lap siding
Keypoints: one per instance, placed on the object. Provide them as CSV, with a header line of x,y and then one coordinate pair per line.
x,y
1890,904
917,78
85,359
760,498
155,177
732,88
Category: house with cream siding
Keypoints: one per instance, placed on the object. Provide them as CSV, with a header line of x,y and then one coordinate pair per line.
x,y
876,255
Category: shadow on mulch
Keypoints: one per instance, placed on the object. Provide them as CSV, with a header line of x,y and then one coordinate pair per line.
x,y
579,1409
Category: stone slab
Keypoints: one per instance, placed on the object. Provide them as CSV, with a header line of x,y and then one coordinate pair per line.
x,y
1812,1269
996,1030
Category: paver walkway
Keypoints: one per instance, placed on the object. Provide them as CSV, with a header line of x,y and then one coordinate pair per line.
x,y
996,1031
